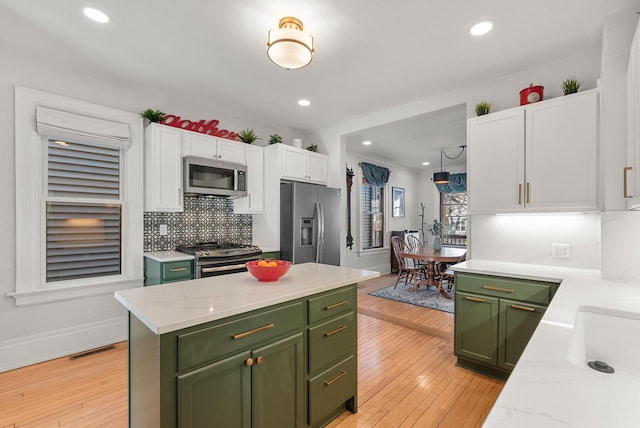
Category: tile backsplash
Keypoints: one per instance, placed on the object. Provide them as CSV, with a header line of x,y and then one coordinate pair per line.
x,y
205,219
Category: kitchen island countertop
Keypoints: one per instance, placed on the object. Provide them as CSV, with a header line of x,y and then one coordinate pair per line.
x,y
546,389
170,307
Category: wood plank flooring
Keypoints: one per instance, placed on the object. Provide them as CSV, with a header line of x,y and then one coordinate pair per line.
x,y
406,378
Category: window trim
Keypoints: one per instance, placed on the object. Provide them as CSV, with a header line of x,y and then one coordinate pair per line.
x,y
31,287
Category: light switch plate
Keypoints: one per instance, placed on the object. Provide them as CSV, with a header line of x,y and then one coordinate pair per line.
x,y
560,251
163,230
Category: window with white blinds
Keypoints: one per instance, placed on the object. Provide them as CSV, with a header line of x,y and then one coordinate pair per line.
x,y
372,216
84,211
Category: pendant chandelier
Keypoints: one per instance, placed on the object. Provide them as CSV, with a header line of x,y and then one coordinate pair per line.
x,y
289,46
442,177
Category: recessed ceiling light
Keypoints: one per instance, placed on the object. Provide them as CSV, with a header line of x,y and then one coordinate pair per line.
x,y
304,103
482,28
96,15
425,163
366,143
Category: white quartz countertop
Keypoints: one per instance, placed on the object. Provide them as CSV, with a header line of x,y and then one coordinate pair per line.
x,y
546,389
168,256
169,307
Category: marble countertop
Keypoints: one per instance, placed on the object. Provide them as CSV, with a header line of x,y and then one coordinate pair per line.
x,y
169,307
168,256
546,389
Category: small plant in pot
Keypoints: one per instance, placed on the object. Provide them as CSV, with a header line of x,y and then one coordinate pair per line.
x,y
571,85
312,147
482,108
247,136
152,115
275,139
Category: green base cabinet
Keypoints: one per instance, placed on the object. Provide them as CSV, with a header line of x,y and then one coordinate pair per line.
x,y
291,365
156,272
271,255
494,319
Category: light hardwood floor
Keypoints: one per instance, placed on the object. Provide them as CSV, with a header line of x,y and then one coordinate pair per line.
x,y
406,378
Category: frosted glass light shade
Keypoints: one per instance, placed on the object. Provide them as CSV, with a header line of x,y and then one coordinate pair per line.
x,y
288,46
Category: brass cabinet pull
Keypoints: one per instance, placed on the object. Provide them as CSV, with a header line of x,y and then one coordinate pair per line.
x,y
528,191
250,332
504,290
260,359
523,308
249,362
475,299
337,330
519,193
626,169
341,375
182,269
335,305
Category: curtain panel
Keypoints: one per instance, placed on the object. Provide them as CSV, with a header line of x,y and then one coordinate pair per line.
x,y
374,174
457,184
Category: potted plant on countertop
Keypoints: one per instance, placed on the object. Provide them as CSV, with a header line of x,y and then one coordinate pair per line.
x,y
570,85
152,116
247,136
483,107
312,147
275,139
436,229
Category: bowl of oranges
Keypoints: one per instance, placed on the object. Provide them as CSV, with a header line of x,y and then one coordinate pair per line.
x,y
268,270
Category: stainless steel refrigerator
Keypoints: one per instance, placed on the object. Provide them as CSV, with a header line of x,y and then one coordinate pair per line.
x,y
309,223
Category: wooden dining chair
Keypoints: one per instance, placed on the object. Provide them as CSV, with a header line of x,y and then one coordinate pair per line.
x,y
447,275
414,243
406,271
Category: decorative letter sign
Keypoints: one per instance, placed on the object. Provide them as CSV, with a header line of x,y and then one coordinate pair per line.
x,y
209,128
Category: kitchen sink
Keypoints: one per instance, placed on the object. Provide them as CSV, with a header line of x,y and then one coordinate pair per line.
x,y
607,336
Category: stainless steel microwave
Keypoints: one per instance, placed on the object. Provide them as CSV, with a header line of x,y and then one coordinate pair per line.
x,y
213,177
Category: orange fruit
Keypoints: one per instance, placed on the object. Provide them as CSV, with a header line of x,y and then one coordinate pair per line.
x,y
272,264
262,263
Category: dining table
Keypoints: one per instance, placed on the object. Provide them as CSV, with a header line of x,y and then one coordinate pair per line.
x,y
430,257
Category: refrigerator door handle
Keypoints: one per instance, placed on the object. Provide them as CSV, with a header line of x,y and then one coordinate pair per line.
x,y
321,243
316,218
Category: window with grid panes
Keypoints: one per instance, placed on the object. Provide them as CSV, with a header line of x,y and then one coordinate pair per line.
x,y
83,211
453,215
372,216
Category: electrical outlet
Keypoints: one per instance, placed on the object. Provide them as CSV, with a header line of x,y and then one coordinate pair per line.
x,y
163,230
560,251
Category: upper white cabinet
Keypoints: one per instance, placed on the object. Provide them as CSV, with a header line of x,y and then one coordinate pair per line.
x,y
539,157
206,146
303,165
631,174
254,201
162,169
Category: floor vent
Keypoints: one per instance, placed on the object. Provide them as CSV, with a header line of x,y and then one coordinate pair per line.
x,y
91,352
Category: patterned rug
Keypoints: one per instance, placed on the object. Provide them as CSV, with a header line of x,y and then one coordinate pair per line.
x,y
424,297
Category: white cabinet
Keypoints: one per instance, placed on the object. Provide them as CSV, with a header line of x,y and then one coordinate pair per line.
x,y
538,157
303,165
631,174
254,201
162,169
206,146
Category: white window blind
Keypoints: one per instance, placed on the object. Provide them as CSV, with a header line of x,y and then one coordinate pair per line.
x,y
72,126
83,235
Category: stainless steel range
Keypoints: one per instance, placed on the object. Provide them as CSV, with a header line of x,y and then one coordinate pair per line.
x,y
220,258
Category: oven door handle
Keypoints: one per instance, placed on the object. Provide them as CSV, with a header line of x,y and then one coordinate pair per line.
x,y
223,268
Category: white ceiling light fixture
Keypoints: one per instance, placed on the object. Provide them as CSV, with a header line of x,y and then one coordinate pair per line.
x,y
304,103
366,143
96,15
289,46
482,28
425,163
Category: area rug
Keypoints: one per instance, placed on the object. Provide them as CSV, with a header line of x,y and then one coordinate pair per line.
x,y
424,297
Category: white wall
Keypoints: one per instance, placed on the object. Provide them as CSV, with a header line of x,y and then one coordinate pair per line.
x,y
36,333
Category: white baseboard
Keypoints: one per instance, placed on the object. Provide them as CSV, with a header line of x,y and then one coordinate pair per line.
x,y
41,347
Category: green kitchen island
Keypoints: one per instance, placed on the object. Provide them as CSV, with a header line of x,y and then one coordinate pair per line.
x,y
229,351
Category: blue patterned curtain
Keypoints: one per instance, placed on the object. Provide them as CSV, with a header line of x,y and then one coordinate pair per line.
x,y
457,183
375,175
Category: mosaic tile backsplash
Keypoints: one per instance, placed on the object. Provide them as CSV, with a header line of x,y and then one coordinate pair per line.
x,y
205,219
